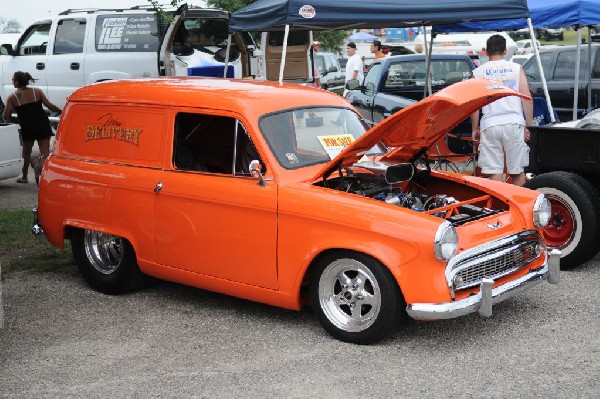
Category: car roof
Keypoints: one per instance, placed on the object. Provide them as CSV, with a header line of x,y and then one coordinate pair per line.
x,y
242,96
548,48
421,57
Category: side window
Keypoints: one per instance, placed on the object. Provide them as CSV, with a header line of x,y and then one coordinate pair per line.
x,y
404,74
35,40
69,36
320,62
213,144
373,76
531,69
565,65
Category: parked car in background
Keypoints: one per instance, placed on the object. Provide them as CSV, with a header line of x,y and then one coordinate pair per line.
x,y
394,83
332,77
214,183
525,46
521,59
10,151
551,33
559,69
343,61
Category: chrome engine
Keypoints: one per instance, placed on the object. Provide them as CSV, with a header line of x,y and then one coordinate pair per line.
x,y
414,196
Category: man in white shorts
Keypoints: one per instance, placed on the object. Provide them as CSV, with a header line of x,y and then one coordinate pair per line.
x,y
503,130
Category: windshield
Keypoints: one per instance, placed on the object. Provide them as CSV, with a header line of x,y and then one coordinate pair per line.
x,y
310,136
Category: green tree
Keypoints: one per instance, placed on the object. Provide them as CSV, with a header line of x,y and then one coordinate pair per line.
x,y
330,40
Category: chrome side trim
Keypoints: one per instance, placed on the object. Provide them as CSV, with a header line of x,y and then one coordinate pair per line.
x,y
487,296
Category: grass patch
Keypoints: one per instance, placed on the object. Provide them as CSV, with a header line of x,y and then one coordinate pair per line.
x,y
21,250
569,36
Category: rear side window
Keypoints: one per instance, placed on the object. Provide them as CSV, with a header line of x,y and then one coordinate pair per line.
x,y
69,36
565,65
136,33
531,69
412,73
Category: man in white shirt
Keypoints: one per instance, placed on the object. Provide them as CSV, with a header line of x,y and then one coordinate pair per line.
x,y
354,67
503,130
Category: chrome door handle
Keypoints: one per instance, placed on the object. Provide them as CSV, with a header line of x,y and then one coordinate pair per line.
x,y
158,187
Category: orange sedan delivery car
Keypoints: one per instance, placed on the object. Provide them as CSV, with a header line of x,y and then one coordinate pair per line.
x,y
279,194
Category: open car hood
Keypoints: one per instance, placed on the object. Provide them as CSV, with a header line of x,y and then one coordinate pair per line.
x,y
422,124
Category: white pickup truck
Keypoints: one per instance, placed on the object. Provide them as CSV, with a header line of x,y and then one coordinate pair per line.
x,y
80,47
10,151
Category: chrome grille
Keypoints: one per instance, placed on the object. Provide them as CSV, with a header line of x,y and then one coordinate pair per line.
x,y
495,264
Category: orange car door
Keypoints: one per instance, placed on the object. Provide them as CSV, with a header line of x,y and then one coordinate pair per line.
x,y
213,222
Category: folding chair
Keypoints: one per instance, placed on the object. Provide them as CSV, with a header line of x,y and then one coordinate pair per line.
x,y
462,160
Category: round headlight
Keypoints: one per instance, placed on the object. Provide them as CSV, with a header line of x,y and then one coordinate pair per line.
x,y
446,241
542,210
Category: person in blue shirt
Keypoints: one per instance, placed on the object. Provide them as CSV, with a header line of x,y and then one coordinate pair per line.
x,y
541,115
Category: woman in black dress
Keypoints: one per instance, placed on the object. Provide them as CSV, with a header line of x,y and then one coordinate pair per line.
x,y
35,125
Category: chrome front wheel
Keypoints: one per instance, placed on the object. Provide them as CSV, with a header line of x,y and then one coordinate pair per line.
x,y
349,295
355,297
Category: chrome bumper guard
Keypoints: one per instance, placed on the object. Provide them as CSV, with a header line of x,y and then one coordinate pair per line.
x,y
488,296
36,229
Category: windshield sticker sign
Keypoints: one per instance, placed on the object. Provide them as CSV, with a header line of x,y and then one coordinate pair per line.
x,y
307,11
335,144
109,128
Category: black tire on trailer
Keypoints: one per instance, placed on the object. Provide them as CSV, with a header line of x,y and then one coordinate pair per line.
x,y
574,226
355,297
106,262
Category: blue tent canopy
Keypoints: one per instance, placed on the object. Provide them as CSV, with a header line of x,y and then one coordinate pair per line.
x,y
270,15
544,13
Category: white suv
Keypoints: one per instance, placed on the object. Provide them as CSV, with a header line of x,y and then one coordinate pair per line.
x,y
79,47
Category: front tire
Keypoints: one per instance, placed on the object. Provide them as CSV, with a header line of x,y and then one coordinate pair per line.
x,y
356,298
106,262
574,226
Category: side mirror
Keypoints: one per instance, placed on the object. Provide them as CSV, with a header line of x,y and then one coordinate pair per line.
x,y
255,171
6,49
332,68
352,84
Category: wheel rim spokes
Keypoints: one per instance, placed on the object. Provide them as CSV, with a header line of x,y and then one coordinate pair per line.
x,y
104,251
560,230
349,295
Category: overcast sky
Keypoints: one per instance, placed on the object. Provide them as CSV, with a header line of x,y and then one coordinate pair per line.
x,y
28,11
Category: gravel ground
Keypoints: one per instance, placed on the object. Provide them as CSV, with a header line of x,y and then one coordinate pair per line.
x,y
15,195
61,339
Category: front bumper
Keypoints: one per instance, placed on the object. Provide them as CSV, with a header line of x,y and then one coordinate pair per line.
x,y
488,296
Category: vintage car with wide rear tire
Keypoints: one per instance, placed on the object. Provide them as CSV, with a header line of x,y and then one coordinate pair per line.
x,y
564,164
281,194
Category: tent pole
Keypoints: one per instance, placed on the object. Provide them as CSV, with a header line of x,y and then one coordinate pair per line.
x,y
577,65
229,37
536,51
589,88
283,53
428,50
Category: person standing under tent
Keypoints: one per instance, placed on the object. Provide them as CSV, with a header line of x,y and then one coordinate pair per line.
x,y
354,66
376,50
502,130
